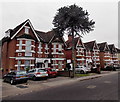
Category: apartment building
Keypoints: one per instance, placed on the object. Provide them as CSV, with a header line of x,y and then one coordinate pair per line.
x,y
113,52
92,52
104,55
79,51
24,47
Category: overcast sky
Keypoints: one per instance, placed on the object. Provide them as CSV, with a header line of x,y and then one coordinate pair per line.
x,y
41,13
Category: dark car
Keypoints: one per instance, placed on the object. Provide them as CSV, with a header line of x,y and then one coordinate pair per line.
x,y
15,76
51,72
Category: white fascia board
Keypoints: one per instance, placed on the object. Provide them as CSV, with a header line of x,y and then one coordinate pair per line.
x,y
58,58
33,30
17,31
25,58
51,39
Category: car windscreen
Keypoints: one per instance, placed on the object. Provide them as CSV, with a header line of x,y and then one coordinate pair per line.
x,y
20,72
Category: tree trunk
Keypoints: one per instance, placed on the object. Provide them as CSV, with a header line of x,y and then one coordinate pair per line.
x,y
73,53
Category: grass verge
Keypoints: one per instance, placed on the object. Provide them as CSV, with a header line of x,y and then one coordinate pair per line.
x,y
83,75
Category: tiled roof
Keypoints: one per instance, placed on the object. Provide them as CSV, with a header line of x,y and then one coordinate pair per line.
x,y
13,31
102,46
5,39
112,48
89,45
69,42
118,50
46,37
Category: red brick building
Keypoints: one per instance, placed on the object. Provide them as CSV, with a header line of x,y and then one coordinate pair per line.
x,y
105,56
113,52
24,47
92,53
79,51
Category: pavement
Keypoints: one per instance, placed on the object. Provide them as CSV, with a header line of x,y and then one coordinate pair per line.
x,y
30,86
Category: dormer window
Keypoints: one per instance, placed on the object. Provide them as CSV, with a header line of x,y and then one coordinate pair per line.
x,y
27,29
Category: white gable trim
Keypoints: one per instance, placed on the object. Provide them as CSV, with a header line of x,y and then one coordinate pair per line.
x,y
96,45
51,39
81,42
23,26
106,46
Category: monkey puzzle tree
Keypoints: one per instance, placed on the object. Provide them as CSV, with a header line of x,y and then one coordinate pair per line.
x,y
74,20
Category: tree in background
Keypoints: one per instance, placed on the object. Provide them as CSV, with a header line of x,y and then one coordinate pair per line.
x,y
72,19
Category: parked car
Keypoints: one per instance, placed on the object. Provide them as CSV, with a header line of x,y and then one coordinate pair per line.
x,y
96,69
15,76
109,68
51,72
82,69
37,73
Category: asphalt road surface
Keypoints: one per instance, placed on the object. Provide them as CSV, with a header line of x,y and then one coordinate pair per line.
x,y
102,88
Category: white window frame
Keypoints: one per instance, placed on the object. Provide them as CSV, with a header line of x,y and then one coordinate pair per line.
x,y
46,48
54,47
28,48
20,45
27,29
60,47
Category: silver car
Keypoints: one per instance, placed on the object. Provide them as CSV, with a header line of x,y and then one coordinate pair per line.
x,y
82,69
37,73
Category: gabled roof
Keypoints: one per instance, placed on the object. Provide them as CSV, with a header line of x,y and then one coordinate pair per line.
x,y
103,46
19,27
69,42
90,45
49,37
112,48
118,50
13,31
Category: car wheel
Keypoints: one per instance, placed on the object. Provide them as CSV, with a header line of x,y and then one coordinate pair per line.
x,y
34,78
82,72
12,82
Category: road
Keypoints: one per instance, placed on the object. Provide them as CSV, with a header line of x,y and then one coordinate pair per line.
x,y
102,88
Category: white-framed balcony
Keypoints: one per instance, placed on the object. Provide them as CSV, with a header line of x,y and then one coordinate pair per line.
x,y
32,51
115,60
24,45
95,56
56,64
57,53
80,59
107,60
88,56
80,55
60,59
23,65
107,56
